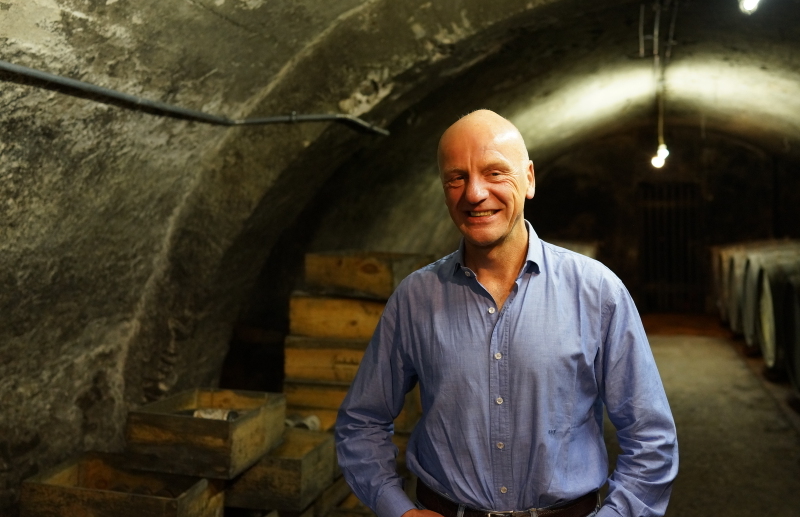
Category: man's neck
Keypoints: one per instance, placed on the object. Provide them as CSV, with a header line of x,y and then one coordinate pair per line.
x,y
498,266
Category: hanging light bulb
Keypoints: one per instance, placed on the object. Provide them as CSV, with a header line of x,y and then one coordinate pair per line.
x,y
748,6
660,158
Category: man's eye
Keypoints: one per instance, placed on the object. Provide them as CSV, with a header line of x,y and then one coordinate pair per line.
x,y
456,181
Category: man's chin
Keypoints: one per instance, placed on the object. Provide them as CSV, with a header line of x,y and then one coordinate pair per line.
x,y
481,241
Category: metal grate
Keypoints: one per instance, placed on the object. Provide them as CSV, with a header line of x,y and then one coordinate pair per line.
x,y
671,246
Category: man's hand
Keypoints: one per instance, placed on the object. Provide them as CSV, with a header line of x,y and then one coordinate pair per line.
x,y
421,513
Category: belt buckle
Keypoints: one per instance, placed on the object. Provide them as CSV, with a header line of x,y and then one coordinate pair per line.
x,y
533,512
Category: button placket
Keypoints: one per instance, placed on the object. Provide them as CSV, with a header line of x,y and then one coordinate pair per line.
x,y
498,421
501,465
506,315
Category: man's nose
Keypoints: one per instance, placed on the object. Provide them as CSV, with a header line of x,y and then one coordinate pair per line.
x,y
476,190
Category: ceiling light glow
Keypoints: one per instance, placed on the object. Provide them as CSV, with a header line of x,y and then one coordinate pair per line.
x,y
660,158
748,6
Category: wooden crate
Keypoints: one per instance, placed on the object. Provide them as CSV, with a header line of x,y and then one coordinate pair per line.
x,y
323,399
160,438
101,485
361,272
330,498
328,317
323,359
290,477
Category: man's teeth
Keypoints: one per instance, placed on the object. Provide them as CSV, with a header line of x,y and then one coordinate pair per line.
x,y
481,214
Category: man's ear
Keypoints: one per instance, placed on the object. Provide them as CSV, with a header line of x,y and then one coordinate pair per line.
x,y
531,181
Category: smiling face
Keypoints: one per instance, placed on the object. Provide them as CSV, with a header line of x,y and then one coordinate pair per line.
x,y
486,175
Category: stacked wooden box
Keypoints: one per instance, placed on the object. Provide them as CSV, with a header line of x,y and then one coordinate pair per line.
x,y
331,322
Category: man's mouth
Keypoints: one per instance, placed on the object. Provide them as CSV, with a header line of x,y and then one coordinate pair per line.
x,y
485,213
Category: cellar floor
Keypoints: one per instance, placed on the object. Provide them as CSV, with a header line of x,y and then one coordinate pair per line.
x,y
738,436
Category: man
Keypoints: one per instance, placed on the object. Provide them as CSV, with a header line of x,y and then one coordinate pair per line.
x,y
516,345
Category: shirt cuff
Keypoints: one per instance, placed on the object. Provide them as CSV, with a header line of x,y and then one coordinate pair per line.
x,y
393,502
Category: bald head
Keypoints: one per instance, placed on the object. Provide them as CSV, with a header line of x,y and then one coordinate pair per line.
x,y
486,176
483,127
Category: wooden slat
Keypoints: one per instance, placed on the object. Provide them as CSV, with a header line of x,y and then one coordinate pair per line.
x,y
326,317
317,395
372,273
323,359
306,342
323,364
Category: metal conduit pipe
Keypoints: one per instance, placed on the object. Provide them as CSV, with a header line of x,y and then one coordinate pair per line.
x,y
108,96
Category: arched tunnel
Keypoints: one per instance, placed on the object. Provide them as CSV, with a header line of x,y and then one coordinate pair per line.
x,y
135,245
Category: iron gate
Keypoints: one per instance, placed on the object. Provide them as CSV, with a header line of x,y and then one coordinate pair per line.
x,y
671,246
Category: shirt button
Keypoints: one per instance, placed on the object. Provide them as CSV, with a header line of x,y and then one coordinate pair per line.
x,y
503,490
499,400
491,310
498,355
500,445
467,273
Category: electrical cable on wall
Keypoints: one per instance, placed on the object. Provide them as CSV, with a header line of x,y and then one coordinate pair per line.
x,y
108,96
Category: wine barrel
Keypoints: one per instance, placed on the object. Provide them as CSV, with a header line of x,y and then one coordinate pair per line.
x,y
716,280
793,326
724,278
735,276
774,331
733,282
756,261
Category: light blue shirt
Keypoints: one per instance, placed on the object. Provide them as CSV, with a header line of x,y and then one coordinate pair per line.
x,y
512,399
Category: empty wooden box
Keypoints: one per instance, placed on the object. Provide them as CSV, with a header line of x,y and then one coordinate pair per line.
x,y
101,485
164,436
290,477
361,272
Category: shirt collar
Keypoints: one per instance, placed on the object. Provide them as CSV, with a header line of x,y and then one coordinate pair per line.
x,y
533,258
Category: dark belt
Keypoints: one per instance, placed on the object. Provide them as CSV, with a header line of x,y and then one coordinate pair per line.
x,y
580,507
